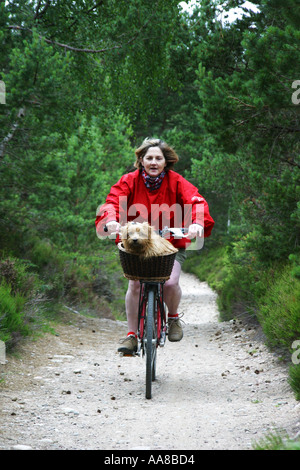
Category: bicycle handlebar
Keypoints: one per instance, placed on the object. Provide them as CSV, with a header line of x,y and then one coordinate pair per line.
x,y
178,232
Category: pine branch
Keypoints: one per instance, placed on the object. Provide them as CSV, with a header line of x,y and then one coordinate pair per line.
x,y
242,102
79,49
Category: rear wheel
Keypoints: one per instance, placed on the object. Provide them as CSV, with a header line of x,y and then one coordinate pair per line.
x,y
151,344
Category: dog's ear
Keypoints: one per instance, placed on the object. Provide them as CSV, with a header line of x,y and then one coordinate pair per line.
x,y
149,231
124,231
147,227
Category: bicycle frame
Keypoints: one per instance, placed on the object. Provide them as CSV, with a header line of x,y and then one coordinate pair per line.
x,y
160,317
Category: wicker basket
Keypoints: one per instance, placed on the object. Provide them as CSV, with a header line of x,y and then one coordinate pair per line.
x,y
157,268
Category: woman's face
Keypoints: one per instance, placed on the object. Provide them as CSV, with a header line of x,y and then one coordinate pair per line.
x,y
154,161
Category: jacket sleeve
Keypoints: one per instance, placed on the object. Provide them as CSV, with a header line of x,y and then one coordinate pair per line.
x,y
196,210
115,206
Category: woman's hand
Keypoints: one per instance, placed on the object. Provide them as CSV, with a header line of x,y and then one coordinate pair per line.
x,y
113,227
195,230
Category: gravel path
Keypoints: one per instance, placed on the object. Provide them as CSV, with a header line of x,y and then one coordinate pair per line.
x,y
219,388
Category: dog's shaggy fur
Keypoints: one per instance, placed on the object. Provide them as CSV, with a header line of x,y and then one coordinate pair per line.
x,y
141,239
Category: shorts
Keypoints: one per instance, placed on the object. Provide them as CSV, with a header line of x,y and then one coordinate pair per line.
x,y
181,256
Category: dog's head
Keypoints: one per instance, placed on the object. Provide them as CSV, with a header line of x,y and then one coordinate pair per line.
x,y
135,234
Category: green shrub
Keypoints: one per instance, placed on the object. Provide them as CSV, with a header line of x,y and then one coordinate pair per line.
x,y
279,308
294,379
11,314
208,265
277,441
16,273
18,289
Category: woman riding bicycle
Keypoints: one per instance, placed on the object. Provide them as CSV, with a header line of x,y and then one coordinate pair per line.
x,y
156,194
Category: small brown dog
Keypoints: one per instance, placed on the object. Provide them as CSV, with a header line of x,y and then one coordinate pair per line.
x,y
141,239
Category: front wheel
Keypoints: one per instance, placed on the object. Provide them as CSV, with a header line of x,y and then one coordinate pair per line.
x,y
151,344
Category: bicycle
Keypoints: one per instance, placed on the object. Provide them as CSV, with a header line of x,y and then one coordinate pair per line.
x,y
152,320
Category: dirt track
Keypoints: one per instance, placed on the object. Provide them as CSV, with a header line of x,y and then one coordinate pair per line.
x,y
219,388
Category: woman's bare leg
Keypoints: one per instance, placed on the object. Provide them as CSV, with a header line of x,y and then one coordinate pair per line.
x,y
132,305
172,290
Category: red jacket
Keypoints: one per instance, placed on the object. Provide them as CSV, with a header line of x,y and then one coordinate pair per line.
x,y
176,203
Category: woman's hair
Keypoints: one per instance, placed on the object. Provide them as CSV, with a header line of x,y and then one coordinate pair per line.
x,y
169,154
